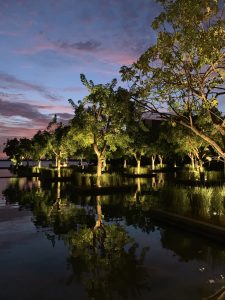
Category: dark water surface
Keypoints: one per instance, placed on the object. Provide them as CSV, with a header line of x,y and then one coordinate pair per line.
x,y
57,244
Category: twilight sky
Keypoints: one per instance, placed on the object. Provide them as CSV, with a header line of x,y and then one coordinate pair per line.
x,y
46,44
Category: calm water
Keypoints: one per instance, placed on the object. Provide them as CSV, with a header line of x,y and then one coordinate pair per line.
x,y
44,163
58,244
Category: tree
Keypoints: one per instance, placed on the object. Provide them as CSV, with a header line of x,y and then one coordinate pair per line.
x,y
186,143
158,142
18,149
139,141
12,150
26,149
100,119
181,77
78,141
40,145
58,142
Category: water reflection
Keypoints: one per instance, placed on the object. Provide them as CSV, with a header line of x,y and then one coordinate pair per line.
x,y
108,239
106,261
102,255
206,203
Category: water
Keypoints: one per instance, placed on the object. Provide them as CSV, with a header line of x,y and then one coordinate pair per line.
x,y
44,163
58,244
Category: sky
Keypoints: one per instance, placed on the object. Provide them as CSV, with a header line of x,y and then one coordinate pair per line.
x,y
46,44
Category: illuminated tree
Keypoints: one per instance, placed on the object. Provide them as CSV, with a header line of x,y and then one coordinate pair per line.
x,y
158,143
58,142
100,119
186,143
139,141
40,145
26,149
182,76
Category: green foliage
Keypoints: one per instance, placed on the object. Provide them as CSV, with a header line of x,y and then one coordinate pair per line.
x,y
18,150
58,142
183,73
12,150
100,118
40,143
186,143
139,139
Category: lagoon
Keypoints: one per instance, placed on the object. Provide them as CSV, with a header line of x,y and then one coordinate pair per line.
x,y
57,243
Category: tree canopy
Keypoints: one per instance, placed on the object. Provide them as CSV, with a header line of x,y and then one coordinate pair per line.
x,y
100,118
181,76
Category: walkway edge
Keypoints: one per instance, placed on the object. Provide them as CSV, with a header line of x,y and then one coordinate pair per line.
x,y
200,227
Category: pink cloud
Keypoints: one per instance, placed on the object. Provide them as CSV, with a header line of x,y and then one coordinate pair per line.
x,y
14,103
118,57
8,81
55,108
23,110
92,48
17,132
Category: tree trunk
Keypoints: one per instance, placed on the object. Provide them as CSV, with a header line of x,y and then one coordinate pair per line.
x,y
98,222
99,165
160,160
196,165
99,233
153,182
138,189
161,179
125,163
38,184
191,156
100,158
81,163
138,166
153,162
58,166
201,165
58,191
206,138
104,165
224,165
39,164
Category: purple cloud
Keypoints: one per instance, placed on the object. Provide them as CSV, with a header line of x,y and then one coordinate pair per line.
x,y
24,110
88,46
24,120
11,82
64,117
100,54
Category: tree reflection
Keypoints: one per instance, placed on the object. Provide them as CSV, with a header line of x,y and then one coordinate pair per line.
x,y
103,257
107,263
